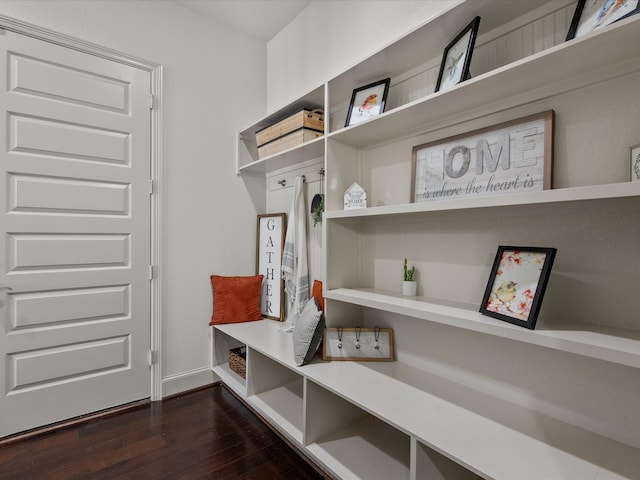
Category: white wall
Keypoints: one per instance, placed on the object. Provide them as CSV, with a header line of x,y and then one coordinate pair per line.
x,y
209,218
328,37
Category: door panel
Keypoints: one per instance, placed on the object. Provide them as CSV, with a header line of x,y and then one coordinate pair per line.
x,y
37,193
74,233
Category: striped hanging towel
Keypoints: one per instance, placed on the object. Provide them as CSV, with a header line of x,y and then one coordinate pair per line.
x,y
295,268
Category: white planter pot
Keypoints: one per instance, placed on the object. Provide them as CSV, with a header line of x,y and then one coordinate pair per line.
x,y
409,288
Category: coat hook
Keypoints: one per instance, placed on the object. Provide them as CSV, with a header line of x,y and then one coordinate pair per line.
x,y
321,172
282,182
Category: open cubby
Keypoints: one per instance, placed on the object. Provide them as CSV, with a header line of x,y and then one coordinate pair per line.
x,y
276,391
352,442
222,343
431,465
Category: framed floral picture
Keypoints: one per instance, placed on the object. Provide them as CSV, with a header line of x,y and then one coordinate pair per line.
x,y
517,283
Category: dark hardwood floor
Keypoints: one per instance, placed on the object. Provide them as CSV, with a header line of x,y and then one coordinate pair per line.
x,y
203,434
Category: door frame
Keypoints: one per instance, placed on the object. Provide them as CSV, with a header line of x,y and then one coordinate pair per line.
x,y
155,107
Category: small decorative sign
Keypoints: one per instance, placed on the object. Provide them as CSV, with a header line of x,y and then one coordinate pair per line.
x,y
507,158
270,240
355,197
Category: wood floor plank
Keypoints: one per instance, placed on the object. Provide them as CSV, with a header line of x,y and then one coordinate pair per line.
x,y
207,434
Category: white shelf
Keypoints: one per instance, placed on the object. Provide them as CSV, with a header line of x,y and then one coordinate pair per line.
x,y
283,407
605,54
231,378
617,345
561,195
247,154
486,435
307,151
265,336
367,450
312,100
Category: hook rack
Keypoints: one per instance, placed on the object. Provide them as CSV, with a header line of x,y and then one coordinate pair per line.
x,y
283,182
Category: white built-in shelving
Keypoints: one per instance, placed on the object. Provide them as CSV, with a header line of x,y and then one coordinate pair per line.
x,y
469,396
373,421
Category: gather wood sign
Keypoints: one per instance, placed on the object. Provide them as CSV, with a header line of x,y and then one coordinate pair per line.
x,y
507,158
270,243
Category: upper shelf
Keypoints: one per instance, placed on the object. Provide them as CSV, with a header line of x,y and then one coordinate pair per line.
x,y
312,100
565,67
293,156
613,344
561,195
247,154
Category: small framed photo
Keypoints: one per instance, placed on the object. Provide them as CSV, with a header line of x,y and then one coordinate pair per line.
x,y
591,15
457,57
635,163
517,284
367,102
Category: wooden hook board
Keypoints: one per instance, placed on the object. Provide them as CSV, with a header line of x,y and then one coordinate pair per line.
x,y
358,344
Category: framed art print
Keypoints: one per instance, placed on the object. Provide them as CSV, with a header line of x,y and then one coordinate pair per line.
x,y
270,243
457,57
591,15
367,102
517,283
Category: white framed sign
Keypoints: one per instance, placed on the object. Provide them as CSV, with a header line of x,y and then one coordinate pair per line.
x,y
508,158
270,244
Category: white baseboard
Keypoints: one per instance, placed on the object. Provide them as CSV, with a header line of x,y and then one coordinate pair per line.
x,y
182,382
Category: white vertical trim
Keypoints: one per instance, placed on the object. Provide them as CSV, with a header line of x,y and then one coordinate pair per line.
x,y
17,26
156,230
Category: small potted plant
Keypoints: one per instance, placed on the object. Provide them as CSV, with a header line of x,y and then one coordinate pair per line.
x,y
409,285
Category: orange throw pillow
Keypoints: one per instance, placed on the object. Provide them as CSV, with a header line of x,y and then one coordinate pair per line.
x,y
236,299
316,292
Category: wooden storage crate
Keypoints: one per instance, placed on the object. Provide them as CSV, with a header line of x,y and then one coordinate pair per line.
x,y
311,119
286,142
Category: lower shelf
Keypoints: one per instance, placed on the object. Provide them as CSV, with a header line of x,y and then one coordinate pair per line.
x,y
231,378
283,407
367,449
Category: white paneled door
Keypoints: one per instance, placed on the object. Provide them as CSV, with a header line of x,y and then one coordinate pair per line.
x,y
74,233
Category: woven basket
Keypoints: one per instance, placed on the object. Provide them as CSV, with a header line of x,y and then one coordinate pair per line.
x,y
238,361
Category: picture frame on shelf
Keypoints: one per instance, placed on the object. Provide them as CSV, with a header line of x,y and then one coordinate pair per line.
x,y
367,102
517,284
456,58
507,158
270,236
591,15
635,163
